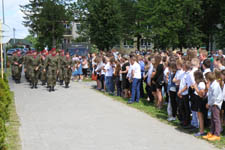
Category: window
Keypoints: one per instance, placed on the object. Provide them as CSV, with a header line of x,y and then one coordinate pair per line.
x,y
129,42
78,27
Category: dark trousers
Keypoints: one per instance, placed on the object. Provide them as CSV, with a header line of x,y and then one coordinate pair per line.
x,y
173,100
215,120
102,79
149,92
165,89
118,86
185,109
141,88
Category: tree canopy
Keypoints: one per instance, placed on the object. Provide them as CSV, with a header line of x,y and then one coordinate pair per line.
x,y
45,20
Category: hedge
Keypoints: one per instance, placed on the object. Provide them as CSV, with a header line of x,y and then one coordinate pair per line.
x,y
5,101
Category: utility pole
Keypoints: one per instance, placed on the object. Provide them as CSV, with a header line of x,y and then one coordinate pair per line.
x,y
1,36
3,17
14,35
3,12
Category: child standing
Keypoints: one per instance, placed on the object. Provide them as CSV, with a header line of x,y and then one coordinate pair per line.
x,y
183,95
198,97
215,99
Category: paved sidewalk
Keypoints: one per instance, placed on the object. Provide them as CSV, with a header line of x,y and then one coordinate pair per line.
x,y
80,118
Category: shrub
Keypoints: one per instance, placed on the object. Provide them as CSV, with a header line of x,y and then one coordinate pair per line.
x,y
5,101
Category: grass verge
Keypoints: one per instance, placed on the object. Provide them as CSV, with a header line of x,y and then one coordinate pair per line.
x,y
12,140
151,110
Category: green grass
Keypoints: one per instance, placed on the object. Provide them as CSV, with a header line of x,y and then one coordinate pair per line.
x,y
87,80
12,129
161,115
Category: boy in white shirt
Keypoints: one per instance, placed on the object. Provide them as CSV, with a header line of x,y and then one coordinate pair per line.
x,y
109,76
136,75
215,99
184,96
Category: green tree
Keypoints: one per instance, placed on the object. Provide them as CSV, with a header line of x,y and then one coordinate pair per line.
x,y
32,39
45,20
170,23
101,21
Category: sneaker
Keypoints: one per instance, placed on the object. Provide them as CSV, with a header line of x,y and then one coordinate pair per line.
x,y
170,119
209,135
173,118
199,134
130,102
214,138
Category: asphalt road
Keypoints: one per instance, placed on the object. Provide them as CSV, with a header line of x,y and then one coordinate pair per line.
x,y
79,118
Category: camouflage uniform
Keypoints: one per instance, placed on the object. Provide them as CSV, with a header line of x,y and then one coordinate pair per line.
x,y
52,62
61,69
17,61
67,65
26,61
35,66
42,72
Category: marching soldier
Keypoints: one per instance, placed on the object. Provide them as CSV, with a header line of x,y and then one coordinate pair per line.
x,y
26,61
17,61
61,67
67,65
13,65
42,72
35,66
52,62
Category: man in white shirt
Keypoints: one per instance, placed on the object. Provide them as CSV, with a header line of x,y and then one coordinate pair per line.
x,y
136,75
108,76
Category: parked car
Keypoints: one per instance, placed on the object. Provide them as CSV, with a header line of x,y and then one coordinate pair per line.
x,y
10,52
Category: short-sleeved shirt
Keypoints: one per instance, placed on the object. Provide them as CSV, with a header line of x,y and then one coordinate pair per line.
x,y
184,82
201,86
137,70
179,74
109,70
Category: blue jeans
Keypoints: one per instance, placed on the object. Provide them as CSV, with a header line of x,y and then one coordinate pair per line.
x,y
135,90
109,84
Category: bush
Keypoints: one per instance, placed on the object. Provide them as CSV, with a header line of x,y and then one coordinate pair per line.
x,y
2,134
5,101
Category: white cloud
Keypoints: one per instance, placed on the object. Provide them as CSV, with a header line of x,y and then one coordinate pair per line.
x,y
14,17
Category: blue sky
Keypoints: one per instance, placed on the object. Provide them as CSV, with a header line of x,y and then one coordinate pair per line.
x,y
14,17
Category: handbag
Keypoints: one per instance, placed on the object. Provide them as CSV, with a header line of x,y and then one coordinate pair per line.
x,y
94,77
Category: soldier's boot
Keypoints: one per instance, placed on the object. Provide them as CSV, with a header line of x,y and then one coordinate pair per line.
x,y
18,80
35,86
61,82
67,85
32,85
53,88
50,89
43,83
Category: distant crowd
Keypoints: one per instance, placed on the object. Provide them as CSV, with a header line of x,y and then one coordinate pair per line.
x,y
191,83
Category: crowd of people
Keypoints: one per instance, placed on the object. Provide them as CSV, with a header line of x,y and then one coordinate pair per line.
x,y
191,83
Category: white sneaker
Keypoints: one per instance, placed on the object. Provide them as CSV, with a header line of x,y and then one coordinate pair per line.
x,y
170,119
173,118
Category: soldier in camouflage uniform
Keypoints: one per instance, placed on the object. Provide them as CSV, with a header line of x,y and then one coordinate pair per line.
x,y
35,66
17,61
42,72
61,67
27,61
13,65
52,62
67,65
